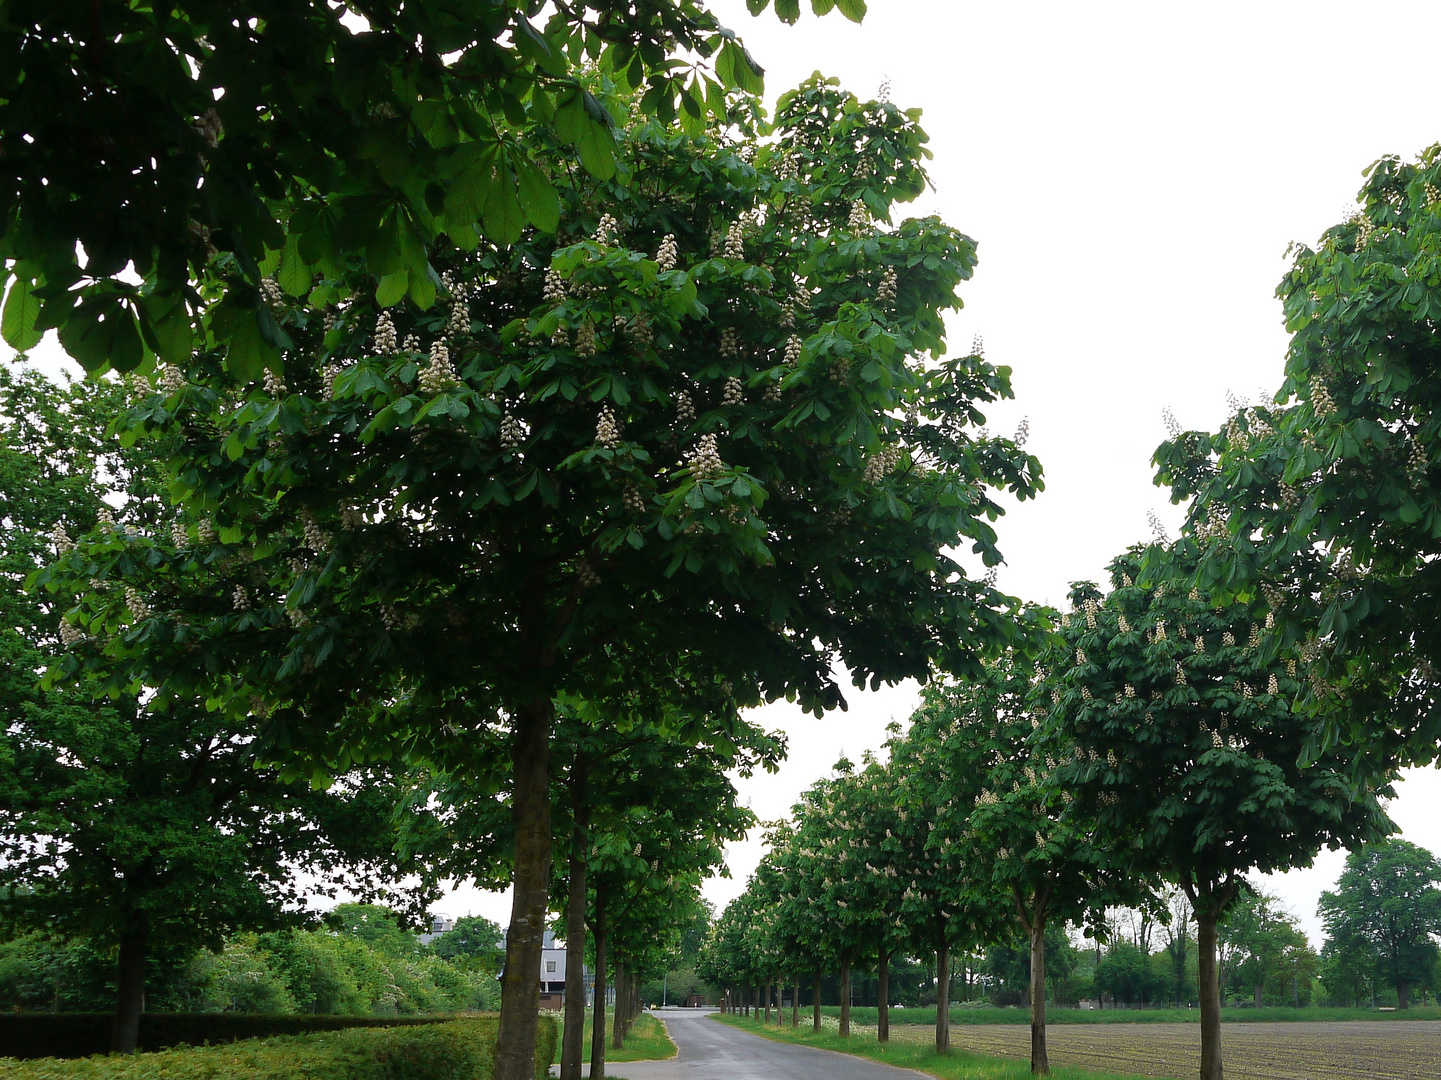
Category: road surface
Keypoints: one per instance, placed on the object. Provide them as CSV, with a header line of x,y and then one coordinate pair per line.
x,y
714,1051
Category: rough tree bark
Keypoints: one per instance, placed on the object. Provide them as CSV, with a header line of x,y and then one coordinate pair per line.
x,y
597,1033
846,998
617,1027
129,992
883,999
572,1041
766,993
816,1004
1210,991
796,1005
520,986
1040,1063
943,993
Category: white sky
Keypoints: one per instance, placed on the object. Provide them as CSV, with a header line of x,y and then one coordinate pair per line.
x,y
1133,173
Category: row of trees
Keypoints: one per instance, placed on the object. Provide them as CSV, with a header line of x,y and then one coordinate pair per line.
x,y
500,390
1157,737
1233,701
506,376
203,842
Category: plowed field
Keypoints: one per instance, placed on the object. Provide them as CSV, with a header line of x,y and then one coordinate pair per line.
x,y
1355,1050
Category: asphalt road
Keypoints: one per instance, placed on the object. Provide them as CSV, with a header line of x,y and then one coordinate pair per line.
x,y
712,1051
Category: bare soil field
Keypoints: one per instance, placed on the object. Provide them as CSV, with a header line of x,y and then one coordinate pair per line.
x,y
1348,1050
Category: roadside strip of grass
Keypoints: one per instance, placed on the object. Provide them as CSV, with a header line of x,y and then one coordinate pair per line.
x,y
647,1041
958,1065
962,1015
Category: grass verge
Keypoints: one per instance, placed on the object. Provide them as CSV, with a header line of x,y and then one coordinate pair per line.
x,y
958,1065
647,1041
987,1014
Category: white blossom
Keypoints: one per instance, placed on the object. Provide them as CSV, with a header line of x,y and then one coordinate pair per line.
x,y
607,429
705,460
585,339
438,375
667,254
385,341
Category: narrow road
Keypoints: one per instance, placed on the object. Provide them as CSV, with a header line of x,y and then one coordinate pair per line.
x,y
713,1051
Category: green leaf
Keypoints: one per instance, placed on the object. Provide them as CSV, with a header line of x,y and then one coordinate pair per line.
x,y
736,67
294,276
538,197
392,287
247,354
855,10
596,147
788,11
17,324
165,320
504,219
470,187
422,291
101,333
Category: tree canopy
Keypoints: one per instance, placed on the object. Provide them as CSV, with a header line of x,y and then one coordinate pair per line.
x,y
1386,908
174,141
1174,721
595,467
1328,494
195,842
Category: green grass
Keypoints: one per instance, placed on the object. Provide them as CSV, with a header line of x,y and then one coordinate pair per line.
x,y
647,1041
958,1065
992,1015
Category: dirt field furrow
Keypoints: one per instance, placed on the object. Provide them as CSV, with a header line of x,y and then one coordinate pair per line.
x,y
1355,1050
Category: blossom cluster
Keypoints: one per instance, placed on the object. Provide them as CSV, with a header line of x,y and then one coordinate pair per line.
x,y
667,254
607,428
705,460
439,375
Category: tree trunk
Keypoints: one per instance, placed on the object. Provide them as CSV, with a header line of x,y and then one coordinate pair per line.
x,y
845,999
1040,1063
520,984
1403,993
796,1005
943,994
129,993
617,1027
816,1004
766,990
883,1000
573,1039
597,1032
1210,989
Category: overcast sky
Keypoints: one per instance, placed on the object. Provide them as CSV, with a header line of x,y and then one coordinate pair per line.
x,y
1132,174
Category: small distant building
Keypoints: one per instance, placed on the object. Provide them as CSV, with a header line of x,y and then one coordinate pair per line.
x,y
552,973
439,924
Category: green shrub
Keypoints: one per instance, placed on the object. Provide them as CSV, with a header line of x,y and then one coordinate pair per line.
x,y
73,1035
452,1050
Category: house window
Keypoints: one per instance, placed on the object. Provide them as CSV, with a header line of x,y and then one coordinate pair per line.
x,y
550,965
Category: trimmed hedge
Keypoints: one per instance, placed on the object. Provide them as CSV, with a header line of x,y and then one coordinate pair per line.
x,y
72,1035
453,1050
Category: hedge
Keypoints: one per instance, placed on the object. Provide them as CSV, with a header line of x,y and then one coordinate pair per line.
x,y
72,1035
461,1049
